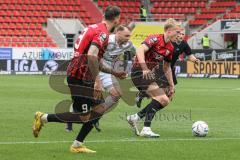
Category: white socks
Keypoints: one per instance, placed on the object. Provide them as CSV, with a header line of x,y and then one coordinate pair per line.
x,y
44,118
146,128
77,143
136,117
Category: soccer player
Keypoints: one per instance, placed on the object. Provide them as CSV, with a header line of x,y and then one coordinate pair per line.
x,y
118,44
180,46
155,49
84,82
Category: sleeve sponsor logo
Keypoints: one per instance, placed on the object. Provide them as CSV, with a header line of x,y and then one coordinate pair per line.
x,y
103,37
153,40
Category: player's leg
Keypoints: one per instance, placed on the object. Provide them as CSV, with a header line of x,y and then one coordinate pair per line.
x,y
69,126
159,101
142,85
174,76
95,113
159,77
80,105
139,97
83,105
77,146
111,85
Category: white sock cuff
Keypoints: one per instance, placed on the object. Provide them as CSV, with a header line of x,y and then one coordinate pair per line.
x,y
76,143
44,118
136,115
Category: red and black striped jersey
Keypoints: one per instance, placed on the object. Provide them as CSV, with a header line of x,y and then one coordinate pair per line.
x,y
159,50
97,35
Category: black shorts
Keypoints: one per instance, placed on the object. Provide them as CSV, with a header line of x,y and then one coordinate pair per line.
x,y
164,79
82,94
142,84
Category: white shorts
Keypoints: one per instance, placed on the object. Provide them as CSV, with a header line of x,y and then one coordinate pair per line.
x,y
108,80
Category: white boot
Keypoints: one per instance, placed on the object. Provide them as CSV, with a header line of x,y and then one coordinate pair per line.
x,y
147,132
132,120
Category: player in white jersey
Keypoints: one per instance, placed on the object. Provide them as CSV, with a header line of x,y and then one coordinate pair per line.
x,y
118,44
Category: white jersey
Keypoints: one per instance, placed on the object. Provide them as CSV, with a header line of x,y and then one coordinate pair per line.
x,y
114,50
111,55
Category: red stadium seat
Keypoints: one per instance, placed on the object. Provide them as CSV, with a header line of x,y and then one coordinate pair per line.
x,y
172,10
22,39
43,33
68,15
168,4
19,44
156,5
35,39
23,32
100,3
8,19
4,25
18,26
25,26
32,26
185,10
188,4
179,10
4,7
12,26
33,45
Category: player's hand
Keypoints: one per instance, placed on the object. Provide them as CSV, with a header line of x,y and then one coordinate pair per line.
x,y
148,74
197,61
120,74
97,94
171,92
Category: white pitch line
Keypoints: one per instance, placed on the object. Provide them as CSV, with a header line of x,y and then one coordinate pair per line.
x,y
125,140
236,89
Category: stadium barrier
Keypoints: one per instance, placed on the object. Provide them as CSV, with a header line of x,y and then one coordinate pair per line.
x,y
214,63
217,54
5,53
214,69
25,66
37,53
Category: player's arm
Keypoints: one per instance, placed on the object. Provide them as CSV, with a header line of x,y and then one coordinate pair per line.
x,y
93,61
132,51
93,65
193,58
168,73
147,74
188,52
141,56
105,68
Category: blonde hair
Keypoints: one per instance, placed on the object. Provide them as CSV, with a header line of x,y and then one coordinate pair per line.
x,y
168,26
171,23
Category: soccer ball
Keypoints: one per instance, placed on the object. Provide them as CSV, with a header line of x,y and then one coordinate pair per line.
x,y
200,129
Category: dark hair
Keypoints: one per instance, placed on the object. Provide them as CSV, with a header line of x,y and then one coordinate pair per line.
x,y
112,12
122,27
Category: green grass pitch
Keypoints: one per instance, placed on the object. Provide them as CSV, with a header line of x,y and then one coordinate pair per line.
x,y
216,101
